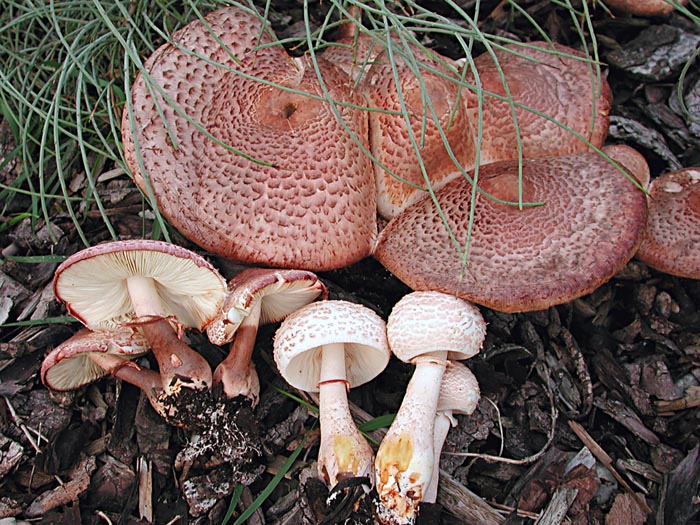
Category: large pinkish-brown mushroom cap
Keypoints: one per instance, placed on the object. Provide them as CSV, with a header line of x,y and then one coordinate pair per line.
x,y
671,240
308,202
521,260
549,80
644,7
428,96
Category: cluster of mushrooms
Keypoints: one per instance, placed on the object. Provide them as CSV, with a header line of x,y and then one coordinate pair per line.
x,y
282,163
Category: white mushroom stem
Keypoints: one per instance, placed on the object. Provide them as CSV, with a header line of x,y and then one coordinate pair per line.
x,y
179,365
236,374
344,452
148,381
404,464
442,424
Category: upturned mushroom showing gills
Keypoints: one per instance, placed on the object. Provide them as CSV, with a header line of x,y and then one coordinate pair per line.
x,y
243,151
89,355
587,226
256,296
329,347
425,329
154,286
671,239
542,79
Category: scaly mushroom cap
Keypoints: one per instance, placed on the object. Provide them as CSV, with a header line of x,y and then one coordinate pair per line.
x,y
307,200
280,292
298,342
549,82
434,82
424,322
459,390
634,162
521,260
353,54
671,240
643,7
69,366
93,283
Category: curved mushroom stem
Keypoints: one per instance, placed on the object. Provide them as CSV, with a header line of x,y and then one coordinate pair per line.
x,y
344,452
148,381
179,365
404,463
443,422
236,374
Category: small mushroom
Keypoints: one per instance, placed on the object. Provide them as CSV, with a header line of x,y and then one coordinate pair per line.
x,y
256,296
243,151
329,347
89,355
151,285
671,239
425,329
587,227
459,394
542,79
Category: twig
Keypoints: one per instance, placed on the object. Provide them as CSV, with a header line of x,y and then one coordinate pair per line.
x,y
518,512
607,462
25,429
145,489
522,461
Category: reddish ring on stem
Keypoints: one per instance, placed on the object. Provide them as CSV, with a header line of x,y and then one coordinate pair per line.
x,y
328,381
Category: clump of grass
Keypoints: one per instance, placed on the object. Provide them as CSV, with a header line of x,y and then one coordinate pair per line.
x,y
64,69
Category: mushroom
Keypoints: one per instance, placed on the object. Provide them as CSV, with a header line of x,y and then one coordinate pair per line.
x,y
671,239
329,347
419,129
243,150
256,296
151,285
645,7
354,52
459,394
89,355
425,329
520,259
542,78
632,161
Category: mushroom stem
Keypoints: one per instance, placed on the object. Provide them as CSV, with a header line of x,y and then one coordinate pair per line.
x,y
443,422
236,374
404,463
179,365
148,381
344,452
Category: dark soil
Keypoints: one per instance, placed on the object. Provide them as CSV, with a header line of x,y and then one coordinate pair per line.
x,y
615,374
